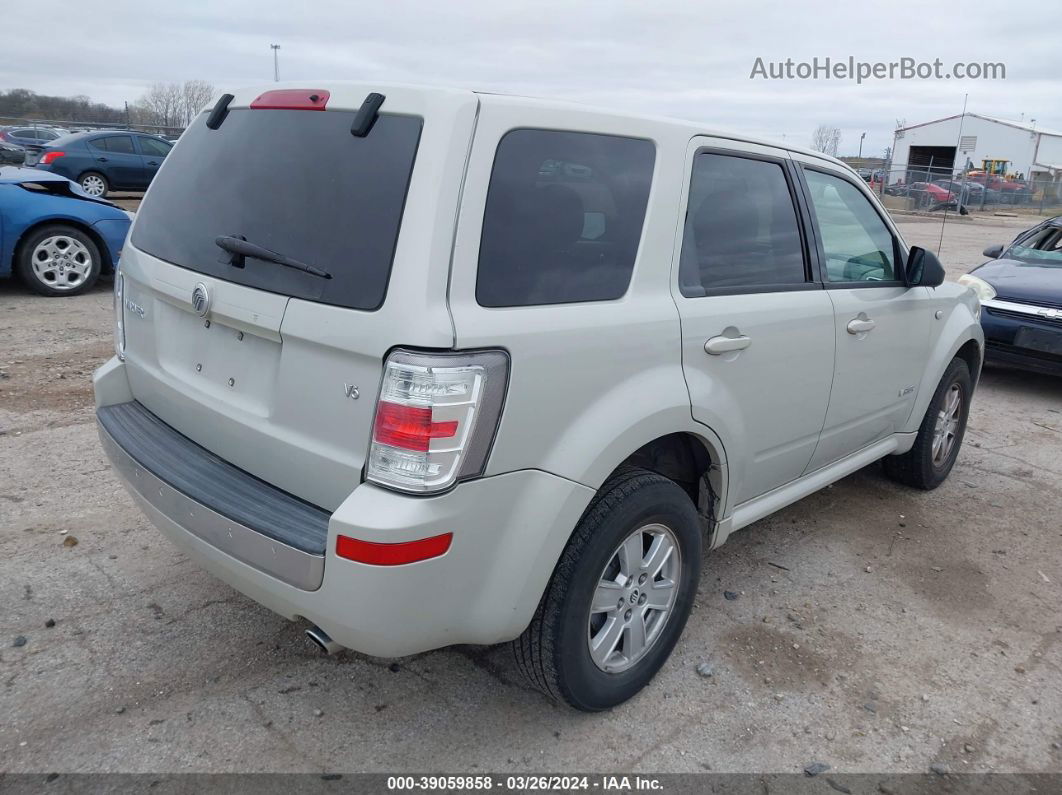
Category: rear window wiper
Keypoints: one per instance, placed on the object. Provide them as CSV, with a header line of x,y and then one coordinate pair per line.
x,y
240,248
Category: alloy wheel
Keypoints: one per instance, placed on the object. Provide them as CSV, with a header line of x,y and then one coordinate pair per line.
x,y
946,430
634,598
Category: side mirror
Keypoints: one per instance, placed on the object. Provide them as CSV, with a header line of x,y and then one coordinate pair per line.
x,y
993,252
923,269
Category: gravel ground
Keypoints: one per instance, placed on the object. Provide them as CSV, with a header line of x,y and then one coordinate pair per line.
x,y
875,629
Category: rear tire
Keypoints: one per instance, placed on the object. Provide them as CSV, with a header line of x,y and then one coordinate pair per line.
x,y
594,655
928,463
94,184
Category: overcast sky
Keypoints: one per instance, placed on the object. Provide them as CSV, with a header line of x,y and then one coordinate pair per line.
x,y
687,59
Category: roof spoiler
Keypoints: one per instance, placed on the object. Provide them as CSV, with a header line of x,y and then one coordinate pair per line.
x,y
366,115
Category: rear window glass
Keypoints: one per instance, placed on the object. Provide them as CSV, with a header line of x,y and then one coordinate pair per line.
x,y
294,182
563,217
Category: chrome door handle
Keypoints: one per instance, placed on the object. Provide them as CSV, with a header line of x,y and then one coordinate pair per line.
x,y
719,345
858,325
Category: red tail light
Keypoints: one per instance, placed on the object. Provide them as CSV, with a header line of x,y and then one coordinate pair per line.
x,y
51,157
436,418
377,554
409,427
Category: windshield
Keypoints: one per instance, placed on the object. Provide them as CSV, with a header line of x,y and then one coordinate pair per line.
x,y
1042,247
294,182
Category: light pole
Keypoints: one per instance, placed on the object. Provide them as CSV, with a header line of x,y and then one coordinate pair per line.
x,y
276,65
861,137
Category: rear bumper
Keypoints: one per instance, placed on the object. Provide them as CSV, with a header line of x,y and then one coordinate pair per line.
x,y
508,532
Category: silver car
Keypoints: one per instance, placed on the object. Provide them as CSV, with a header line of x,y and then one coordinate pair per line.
x,y
425,367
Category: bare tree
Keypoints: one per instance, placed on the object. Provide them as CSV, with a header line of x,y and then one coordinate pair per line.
x,y
159,104
826,139
195,94
172,104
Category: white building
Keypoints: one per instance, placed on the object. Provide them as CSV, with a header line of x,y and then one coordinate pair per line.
x,y
1032,151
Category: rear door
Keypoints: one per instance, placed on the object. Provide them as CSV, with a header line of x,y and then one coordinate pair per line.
x,y
273,369
881,327
757,329
119,161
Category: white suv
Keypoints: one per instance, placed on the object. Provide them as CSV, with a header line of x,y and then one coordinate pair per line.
x,y
427,367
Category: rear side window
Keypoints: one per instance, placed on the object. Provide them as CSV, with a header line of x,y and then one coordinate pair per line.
x,y
294,182
563,218
119,144
741,227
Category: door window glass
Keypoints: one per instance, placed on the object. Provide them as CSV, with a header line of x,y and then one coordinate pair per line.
x,y
741,227
857,244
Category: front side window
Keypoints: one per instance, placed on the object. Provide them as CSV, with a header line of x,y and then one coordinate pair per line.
x,y
563,218
857,244
741,227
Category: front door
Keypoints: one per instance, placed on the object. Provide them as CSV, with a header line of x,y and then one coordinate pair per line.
x,y
881,327
757,329
152,153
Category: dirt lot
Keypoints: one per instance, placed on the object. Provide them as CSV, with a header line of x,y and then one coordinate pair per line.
x,y
876,629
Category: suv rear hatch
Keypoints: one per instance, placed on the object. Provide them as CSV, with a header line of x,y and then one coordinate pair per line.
x,y
273,368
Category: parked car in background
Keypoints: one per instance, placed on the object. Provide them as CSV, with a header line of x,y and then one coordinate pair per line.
x,y
11,154
31,139
105,160
1021,299
54,236
931,196
1011,191
429,367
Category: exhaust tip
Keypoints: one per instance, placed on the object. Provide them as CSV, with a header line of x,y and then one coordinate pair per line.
x,y
321,639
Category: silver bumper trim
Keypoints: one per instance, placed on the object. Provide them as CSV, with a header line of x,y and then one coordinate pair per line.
x,y
293,566
1041,312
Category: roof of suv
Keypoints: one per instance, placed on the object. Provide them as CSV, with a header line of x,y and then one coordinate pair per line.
x,y
349,94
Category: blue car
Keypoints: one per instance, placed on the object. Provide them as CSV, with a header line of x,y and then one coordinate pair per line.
x,y
1021,299
104,160
56,237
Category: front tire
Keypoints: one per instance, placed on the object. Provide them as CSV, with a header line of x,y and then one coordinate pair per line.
x,y
94,184
619,596
58,260
928,463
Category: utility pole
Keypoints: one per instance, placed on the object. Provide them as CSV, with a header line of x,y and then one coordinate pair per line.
x,y
861,137
276,64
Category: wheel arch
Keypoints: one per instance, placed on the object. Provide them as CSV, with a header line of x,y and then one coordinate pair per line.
x,y
695,459
961,336
973,354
